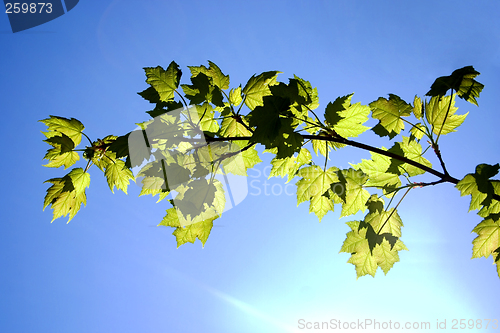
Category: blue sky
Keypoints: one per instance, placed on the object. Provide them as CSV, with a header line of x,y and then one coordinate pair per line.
x,y
267,263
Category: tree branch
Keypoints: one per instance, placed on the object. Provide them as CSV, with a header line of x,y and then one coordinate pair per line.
x,y
443,176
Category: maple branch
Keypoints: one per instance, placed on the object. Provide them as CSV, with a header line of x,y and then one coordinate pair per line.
x,y
444,177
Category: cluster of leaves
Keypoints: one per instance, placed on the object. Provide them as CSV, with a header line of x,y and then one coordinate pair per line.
x,y
186,150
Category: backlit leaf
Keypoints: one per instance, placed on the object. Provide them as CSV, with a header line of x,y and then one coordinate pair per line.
x,y
70,127
436,110
390,112
117,174
165,82
355,195
461,81
257,87
488,239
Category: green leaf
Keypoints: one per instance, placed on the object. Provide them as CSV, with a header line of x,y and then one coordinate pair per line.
x,y
468,185
165,82
480,187
390,112
462,81
61,141
152,185
351,125
235,164
333,110
203,90
67,194
250,158
413,151
232,126
488,239
377,171
435,112
363,259
119,146
381,131
274,130
345,118
418,131
385,255
355,195
322,146
309,93
390,221
57,158
494,207
200,230
214,73
417,107
235,96
315,182
205,118
354,238
72,128
117,174
151,95
289,166
257,87
366,256
199,196
171,219
320,205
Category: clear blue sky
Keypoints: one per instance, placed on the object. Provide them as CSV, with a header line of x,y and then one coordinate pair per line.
x,y
267,263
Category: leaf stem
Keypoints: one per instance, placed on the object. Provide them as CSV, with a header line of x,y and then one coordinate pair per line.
x,y
393,210
445,116
85,135
412,125
183,100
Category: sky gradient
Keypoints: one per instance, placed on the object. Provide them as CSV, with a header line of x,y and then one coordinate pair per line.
x,y
267,263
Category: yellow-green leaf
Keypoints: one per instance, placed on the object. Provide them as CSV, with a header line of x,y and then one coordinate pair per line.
x,y
117,174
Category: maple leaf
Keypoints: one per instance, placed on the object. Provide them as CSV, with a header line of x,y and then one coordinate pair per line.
x,y
257,87
235,97
273,127
117,174
345,118
488,239
165,82
386,256
72,128
437,109
67,193
59,158
289,166
462,81
231,126
315,182
214,73
390,112
189,233
413,151
369,250
355,195
202,90
385,222
481,188
377,171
